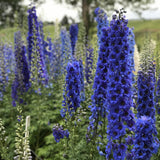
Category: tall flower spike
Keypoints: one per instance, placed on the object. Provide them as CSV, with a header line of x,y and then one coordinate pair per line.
x,y
145,142
2,71
73,36
102,21
35,50
146,83
56,60
98,109
72,90
7,66
89,65
21,81
65,49
146,103
119,93
158,95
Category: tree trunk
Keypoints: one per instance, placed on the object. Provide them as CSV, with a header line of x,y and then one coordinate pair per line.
x,y
85,15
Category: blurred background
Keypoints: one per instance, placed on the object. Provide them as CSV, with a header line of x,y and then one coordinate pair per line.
x,y
143,15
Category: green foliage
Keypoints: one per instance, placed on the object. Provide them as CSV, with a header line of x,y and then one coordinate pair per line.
x,y
3,142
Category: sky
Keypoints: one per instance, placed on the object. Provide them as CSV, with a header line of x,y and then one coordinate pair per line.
x,y
51,11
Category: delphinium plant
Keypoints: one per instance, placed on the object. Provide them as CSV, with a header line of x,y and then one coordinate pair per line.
x,y
71,102
19,87
147,135
73,36
102,21
21,82
38,80
145,143
146,82
38,71
59,132
72,90
89,65
6,67
66,50
97,124
157,96
2,72
119,93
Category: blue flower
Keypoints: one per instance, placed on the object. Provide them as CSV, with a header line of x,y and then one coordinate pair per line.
x,y
102,21
145,142
73,36
22,75
59,133
72,89
119,87
35,50
89,65
98,107
66,50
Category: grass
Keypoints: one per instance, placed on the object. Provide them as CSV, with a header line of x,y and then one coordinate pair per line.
x,y
141,28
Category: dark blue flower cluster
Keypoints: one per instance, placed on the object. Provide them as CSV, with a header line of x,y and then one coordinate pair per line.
x,y
35,50
119,93
65,49
59,133
131,40
146,88
102,21
98,108
56,60
158,95
89,64
145,142
32,20
72,89
73,36
21,82
7,66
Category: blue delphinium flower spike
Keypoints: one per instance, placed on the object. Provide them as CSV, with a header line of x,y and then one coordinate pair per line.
x,y
73,36
72,89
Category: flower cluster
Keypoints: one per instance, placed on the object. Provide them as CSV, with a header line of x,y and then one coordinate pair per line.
x,y
7,66
66,50
72,89
73,36
89,64
100,85
146,104
102,21
32,19
35,50
21,82
145,142
131,40
146,84
158,95
59,133
119,94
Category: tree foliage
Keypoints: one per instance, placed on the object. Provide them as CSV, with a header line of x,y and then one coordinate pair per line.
x,y
9,10
88,7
